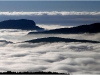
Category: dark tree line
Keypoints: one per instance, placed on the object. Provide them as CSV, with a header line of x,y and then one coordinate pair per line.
x,y
41,72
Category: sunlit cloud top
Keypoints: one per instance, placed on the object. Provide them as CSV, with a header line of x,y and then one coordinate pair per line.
x,y
50,13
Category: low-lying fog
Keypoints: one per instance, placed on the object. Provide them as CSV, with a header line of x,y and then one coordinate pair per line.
x,y
76,58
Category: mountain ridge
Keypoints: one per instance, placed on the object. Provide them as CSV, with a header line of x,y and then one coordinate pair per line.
x,y
58,39
91,28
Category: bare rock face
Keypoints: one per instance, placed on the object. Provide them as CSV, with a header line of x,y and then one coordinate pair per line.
x,y
23,24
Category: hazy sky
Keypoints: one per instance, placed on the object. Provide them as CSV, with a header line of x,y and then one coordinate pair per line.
x,y
50,6
52,12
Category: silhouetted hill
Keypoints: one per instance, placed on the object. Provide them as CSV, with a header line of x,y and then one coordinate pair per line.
x,y
58,39
23,24
92,28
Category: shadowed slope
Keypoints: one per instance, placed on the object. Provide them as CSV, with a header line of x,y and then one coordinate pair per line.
x,y
92,28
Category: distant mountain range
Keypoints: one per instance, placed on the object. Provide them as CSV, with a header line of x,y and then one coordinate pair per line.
x,y
58,39
23,24
92,28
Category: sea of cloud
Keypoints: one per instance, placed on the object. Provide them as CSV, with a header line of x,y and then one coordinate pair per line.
x,y
75,58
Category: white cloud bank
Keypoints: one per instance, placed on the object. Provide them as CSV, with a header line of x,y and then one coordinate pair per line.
x,y
76,58
83,58
49,27
51,13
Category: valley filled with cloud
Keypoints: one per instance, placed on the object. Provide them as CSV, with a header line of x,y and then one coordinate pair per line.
x,y
72,57
50,36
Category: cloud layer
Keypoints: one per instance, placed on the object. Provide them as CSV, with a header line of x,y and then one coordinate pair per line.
x,y
51,13
49,27
76,58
